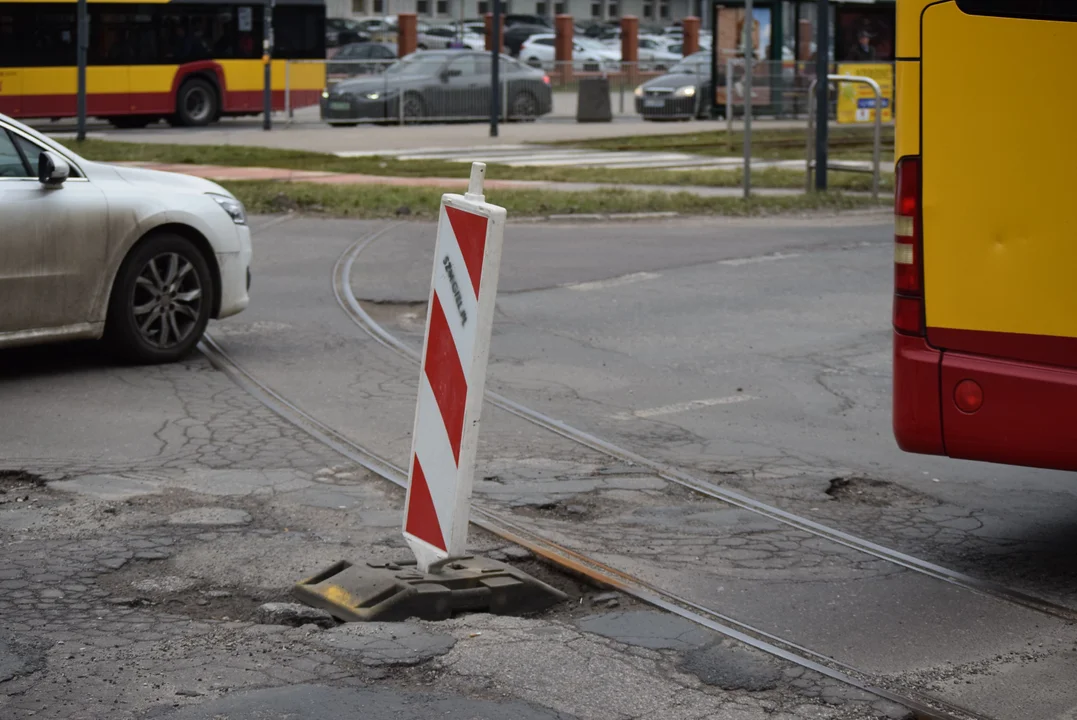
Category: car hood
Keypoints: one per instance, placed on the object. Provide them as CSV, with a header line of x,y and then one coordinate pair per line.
x,y
674,81
145,178
381,83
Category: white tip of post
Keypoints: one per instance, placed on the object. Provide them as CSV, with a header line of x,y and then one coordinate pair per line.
x,y
474,185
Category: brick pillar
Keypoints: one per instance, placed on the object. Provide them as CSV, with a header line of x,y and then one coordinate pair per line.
x,y
489,20
406,37
691,36
630,45
804,38
562,46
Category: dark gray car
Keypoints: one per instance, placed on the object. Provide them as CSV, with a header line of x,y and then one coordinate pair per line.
x,y
685,92
438,85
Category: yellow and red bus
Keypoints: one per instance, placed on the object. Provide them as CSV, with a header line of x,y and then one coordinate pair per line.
x,y
188,62
985,306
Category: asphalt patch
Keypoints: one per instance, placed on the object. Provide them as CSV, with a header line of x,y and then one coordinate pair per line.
x,y
315,701
386,644
732,666
648,629
20,656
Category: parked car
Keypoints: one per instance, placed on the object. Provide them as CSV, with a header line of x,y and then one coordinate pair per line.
x,y
438,85
441,37
685,92
588,55
655,53
516,35
343,31
141,258
365,58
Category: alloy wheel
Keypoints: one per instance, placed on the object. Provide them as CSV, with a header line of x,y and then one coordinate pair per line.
x,y
167,301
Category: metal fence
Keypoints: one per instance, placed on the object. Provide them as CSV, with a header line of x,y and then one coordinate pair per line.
x,y
372,91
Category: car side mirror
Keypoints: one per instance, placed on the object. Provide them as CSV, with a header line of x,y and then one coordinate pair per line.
x,y
450,73
52,169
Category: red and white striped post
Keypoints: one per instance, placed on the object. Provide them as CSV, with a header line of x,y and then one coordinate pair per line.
x,y
460,315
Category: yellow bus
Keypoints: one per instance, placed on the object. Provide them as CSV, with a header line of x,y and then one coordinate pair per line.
x,y
985,306
187,62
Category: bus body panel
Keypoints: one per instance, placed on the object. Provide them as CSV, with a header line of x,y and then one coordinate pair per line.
x,y
1028,416
999,243
151,89
43,89
991,133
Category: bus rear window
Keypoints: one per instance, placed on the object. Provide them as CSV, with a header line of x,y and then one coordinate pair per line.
x,y
1030,9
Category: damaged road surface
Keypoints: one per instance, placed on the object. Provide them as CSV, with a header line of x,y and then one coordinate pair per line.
x,y
147,574
154,520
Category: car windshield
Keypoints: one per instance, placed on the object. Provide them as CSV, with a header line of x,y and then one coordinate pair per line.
x,y
693,65
416,66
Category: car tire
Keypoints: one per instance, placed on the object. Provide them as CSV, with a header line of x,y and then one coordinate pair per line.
x,y
161,301
414,107
196,103
524,106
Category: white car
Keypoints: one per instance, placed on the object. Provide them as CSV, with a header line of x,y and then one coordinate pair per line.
x,y
587,55
90,250
656,53
441,37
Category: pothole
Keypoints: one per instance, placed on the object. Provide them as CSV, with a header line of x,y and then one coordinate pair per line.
x,y
14,480
867,491
16,486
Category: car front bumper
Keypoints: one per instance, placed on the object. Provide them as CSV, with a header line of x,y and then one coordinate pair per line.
x,y
666,106
235,269
351,108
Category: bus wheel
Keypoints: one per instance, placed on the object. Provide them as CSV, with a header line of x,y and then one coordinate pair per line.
x,y
196,103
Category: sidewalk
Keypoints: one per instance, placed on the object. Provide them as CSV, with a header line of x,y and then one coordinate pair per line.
x,y
224,174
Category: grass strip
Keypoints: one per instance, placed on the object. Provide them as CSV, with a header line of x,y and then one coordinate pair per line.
x,y
375,201
846,143
241,156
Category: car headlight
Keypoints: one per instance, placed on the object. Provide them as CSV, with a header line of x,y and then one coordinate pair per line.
x,y
325,94
638,91
233,207
372,95
686,91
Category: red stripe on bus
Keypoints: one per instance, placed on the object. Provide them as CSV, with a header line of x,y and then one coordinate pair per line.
x,y
163,103
1045,349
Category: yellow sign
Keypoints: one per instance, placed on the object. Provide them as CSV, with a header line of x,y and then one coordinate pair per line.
x,y
856,101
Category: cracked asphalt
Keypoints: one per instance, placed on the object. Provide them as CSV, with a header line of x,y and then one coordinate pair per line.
x,y
146,513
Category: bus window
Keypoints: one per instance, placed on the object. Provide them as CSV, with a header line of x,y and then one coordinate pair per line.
x,y
299,32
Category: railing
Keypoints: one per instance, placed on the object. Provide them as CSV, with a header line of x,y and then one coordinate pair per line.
x,y
361,91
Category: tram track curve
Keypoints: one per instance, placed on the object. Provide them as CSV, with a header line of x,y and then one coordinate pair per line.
x,y
512,530
348,301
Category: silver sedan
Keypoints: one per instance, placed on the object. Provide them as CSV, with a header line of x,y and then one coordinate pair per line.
x,y
87,250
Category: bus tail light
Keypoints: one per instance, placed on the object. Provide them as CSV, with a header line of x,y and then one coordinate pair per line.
x,y
908,249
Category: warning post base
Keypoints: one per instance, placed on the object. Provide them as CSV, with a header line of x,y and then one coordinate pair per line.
x,y
390,592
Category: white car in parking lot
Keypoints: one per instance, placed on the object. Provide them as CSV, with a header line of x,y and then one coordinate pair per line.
x,y
587,55
88,250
